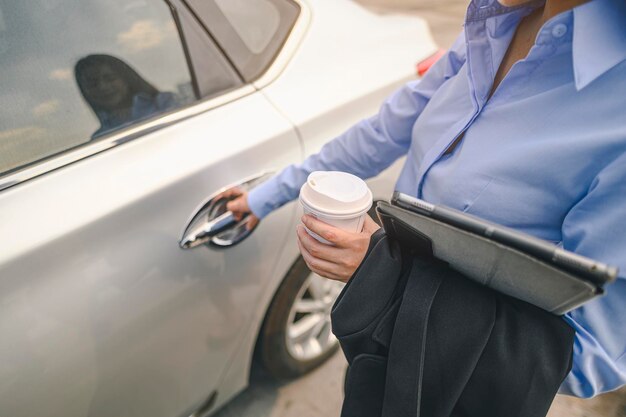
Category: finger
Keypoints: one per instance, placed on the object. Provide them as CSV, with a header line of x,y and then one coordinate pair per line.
x,y
331,233
319,266
333,277
230,193
251,222
235,205
316,248
370,226
324,273
239,207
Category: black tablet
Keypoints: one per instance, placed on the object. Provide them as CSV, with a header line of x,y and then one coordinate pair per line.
x,y
595,272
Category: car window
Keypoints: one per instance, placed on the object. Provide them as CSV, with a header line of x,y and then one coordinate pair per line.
x,y
74,72
250,31
254,21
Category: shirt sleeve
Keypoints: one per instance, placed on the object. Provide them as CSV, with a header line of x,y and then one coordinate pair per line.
x,y
368,147
596,227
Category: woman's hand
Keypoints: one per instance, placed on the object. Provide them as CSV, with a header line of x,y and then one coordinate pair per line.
x,y
238,204
336,262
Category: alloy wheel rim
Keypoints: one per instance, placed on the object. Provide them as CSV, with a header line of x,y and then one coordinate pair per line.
x,y
309,332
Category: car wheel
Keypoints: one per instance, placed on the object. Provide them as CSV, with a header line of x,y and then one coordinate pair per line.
x,y
296,336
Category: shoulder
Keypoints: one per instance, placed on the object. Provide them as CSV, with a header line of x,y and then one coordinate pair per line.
x,y
455,57
459,47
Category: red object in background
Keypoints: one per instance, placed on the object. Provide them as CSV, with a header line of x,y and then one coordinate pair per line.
x,y
424,66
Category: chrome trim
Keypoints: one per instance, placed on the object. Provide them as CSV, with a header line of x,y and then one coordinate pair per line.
x,y
203,227
127,135
254,179
84,151
205,231
291,45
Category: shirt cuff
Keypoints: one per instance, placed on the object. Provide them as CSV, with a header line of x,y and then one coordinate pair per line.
x,y
265,198
593,371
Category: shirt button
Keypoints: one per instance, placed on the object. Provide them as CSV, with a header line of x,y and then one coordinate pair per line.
x,y
559,30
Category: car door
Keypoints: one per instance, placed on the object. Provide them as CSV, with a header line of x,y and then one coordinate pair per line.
x,y
346,71
118,121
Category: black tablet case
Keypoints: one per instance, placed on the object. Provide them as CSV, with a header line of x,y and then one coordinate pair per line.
x,y
497,266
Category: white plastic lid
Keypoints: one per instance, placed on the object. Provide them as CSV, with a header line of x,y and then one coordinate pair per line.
x,y
336,193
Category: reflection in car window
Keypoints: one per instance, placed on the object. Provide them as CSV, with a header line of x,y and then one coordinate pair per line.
x,y
116,93
251,32
74,71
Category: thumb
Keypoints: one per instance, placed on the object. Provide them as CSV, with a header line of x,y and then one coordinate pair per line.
x,y
370,226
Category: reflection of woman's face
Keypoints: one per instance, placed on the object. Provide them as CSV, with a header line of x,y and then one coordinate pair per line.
x,y
104,87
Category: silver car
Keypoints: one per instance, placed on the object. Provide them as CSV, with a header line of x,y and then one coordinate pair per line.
x,y
124,288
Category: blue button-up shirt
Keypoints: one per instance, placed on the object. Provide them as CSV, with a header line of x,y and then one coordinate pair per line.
x,y
545,155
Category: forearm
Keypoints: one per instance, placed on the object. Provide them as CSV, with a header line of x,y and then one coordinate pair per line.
x,y
368,147
363,151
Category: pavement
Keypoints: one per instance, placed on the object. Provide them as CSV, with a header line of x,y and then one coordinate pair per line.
x,y
317,394
320,393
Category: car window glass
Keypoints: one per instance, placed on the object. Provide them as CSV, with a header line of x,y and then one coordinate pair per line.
x,y
255,21
73,72
212,71
251,32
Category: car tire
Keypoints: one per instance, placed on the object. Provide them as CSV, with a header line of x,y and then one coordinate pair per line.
x,y
284,349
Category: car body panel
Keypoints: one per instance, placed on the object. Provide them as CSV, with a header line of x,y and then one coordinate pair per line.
x,y
105,314
361,66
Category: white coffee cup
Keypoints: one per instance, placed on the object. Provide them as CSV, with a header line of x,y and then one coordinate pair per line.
x,y
337,198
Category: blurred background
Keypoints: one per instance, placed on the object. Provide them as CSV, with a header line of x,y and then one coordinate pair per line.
x,y
320,393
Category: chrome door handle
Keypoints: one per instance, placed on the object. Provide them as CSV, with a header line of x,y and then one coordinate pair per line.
x,y
214,225
203,232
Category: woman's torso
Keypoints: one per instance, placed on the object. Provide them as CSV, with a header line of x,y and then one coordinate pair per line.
x,y
532,150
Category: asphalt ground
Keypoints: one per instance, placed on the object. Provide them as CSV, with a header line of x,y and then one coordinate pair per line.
x,y
320,393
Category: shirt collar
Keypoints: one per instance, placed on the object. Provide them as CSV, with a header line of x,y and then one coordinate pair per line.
x,y
484,9
599,41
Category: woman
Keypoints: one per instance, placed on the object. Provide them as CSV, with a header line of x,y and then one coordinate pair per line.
x,y
116,93
521,123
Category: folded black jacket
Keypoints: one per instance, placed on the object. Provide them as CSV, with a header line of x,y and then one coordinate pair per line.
x,y
422,340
